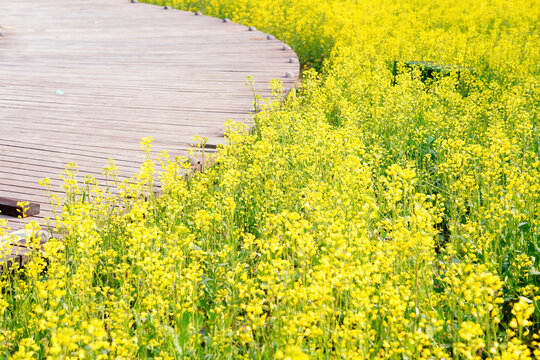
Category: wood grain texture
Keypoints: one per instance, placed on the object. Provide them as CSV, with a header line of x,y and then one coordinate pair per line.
x,y
85,80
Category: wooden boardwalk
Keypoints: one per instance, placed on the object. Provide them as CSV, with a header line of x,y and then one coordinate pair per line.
x,y
85,80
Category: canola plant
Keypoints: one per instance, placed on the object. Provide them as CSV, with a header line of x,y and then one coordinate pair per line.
x,y
378,214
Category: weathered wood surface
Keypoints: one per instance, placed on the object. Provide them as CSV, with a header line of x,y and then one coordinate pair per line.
x,y
85,80
17,208
16,247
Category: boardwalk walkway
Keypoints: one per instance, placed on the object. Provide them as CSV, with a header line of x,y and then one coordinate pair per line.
x,y
85,80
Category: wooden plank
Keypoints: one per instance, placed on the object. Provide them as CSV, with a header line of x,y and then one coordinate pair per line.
x,y
84,80
14,256
11,207
15,248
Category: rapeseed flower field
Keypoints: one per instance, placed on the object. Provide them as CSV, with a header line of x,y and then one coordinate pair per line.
x,y
377,213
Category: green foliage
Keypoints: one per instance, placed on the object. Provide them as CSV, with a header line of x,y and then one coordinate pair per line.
x,y
375,215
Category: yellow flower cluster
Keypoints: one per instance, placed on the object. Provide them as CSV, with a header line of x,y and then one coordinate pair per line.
x,y
388,211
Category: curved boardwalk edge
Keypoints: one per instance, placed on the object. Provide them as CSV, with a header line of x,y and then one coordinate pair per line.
x,y
85,80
